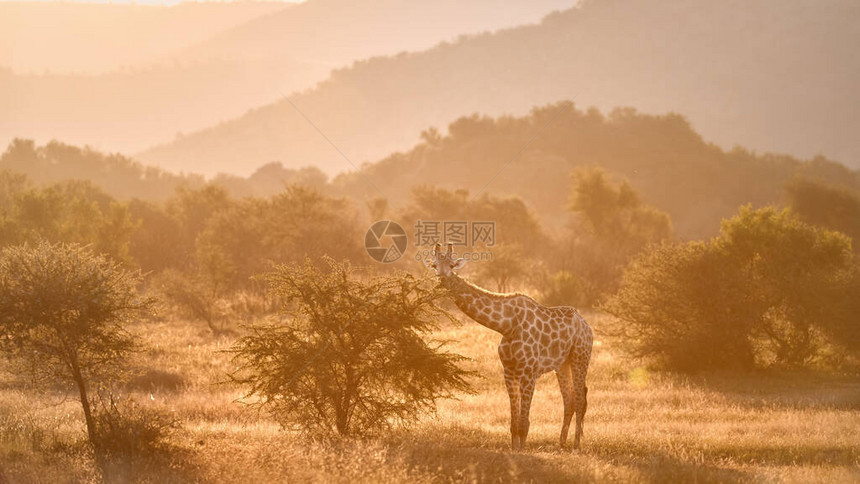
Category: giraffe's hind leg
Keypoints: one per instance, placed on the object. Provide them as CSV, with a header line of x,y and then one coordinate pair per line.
x,y
579,365
565,384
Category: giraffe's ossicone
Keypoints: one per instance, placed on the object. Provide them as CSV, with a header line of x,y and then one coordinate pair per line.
x,y
536,339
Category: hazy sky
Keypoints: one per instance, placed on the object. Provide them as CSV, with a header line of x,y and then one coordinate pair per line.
x,y
143,2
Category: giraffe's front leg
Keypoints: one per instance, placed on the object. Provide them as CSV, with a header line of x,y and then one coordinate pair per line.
x,y
581,392
513,385
527,388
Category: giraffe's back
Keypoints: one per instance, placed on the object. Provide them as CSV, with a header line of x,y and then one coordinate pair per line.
x,y
550,335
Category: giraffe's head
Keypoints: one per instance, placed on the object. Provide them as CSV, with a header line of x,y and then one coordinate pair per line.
x,y
444,263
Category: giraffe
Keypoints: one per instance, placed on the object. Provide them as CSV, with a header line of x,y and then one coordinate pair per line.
x,y
536,339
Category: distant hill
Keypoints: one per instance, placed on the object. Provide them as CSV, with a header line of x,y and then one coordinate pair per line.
x,y
125,179
165,91
664,159
117,175
771,75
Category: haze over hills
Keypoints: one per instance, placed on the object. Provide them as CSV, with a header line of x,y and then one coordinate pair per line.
x,y
336,32
771,75
126,111
662,157
190,88
92,38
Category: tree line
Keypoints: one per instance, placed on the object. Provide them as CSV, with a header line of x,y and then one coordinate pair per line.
x,y
661,157
201,249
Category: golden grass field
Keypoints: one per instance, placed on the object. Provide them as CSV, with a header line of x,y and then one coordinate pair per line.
x,y
641,426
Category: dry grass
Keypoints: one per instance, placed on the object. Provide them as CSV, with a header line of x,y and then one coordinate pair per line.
x,y
640,427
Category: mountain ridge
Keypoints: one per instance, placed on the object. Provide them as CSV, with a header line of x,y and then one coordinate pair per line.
x,y
132,109
770,75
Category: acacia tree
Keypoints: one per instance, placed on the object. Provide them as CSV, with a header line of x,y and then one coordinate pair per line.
x,y
62,316
352,357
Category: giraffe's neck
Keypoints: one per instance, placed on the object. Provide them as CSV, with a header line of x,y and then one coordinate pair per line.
x,y
495,311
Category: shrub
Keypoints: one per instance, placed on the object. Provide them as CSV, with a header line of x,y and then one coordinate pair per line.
x,y
134,441
154,380
129,430
679,306
762,293
352,358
